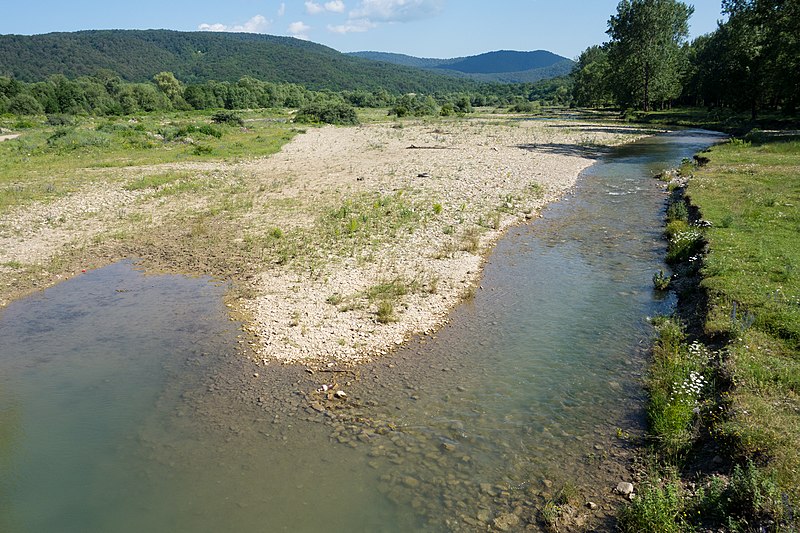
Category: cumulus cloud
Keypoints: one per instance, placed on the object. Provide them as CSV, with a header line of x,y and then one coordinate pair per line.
x,y
299,30
352,26
313,8
396,10
337,6
334,6
257,24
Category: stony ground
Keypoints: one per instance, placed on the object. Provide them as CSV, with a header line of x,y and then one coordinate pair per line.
x,y
339,247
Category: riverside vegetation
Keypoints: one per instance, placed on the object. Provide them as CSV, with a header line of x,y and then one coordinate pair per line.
x,y
724,410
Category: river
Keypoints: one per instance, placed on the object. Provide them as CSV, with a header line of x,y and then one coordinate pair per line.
x,y
124,405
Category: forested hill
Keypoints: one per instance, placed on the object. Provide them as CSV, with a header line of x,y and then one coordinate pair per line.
x,y
505,66
137,55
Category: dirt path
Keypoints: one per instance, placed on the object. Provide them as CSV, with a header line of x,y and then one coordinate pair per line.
x,y
341,246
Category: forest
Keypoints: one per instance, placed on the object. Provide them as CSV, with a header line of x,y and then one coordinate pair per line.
x,y
751,62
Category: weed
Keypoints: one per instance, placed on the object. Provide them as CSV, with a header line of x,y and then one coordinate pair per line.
x,y
677,210
437,208
335,299
661,281
385,313
470,240
657,507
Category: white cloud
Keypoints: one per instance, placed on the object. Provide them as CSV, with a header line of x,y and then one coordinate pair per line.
x,y
257,24
352,26
282,10
313,8
396,10
336,6
299,30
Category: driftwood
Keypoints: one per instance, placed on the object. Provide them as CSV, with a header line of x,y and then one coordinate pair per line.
x,y
414,147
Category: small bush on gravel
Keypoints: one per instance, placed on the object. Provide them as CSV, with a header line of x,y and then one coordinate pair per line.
x,y
227,117
337,113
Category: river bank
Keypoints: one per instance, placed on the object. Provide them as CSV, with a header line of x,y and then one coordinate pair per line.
x,y
723,405
339,247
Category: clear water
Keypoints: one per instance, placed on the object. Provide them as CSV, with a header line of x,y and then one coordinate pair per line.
x,y
124,406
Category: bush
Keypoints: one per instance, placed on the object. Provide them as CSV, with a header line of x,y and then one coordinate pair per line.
x,y
385,312
526,107
25,104
227,117
656,509
59,120
328,113
677,211
684,245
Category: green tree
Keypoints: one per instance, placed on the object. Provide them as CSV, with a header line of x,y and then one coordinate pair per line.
x,y
645,52
171,87
763,38
25,104
591,78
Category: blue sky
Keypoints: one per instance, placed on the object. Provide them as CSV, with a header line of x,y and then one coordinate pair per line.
x,y
425,28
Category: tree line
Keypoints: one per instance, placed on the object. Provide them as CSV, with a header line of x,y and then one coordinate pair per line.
x,y
750,62
106,94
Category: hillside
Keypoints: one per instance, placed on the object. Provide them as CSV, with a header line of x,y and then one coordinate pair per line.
x,y
136,55
505,66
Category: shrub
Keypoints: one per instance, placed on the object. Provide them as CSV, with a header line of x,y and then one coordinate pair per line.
x,y
25,104
677,211
526,107
59,120
338,113
656,508
683,245
385,312
227,117
661,280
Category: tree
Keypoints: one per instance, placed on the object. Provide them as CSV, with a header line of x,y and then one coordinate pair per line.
x,y
764,47
591,78
645,53
170,86
25,104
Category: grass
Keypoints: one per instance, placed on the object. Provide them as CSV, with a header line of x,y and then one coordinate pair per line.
x,y
47,161
733,391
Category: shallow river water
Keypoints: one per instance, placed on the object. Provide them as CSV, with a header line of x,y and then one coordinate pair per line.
x,y
124,405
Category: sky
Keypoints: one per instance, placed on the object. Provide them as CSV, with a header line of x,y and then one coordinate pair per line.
x,y
422,28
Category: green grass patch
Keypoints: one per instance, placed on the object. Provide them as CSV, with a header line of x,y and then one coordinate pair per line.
x,y
156,181
741,399
48,161
751,195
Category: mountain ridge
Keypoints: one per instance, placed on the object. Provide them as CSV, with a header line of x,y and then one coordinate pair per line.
x,y
197,57
505,66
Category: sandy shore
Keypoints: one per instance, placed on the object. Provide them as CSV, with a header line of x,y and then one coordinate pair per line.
x,y
341,246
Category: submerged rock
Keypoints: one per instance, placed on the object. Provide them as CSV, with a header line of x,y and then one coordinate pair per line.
x,y
506,521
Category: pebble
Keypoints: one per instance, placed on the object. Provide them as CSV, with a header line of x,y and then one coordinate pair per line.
x,y
506,521
624,488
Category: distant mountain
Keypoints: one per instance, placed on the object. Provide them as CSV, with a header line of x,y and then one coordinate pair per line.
x,y
137,55
506,66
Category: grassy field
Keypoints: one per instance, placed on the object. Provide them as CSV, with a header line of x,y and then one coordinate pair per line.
x,y
725,410
52,156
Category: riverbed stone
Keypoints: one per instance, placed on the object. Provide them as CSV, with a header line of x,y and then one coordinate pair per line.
x,y
506,522
624,488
